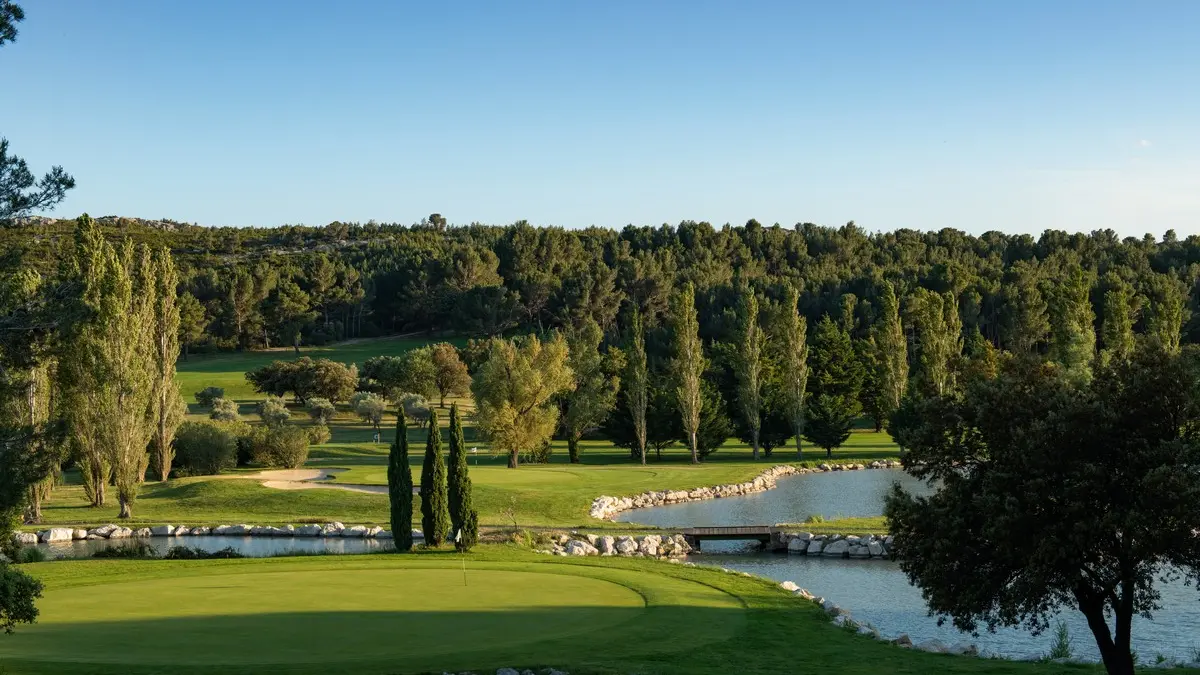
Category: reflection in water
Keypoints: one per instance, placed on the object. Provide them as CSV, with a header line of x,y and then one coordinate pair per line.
x,y
877,591
250,546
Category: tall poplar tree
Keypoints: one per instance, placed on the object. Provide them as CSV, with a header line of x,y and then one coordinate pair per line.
x,y
464,521
1072,335
1166,314
891,353
688,365
637,383
1116,331
794,366
130,354
400,485
938,331
1026,320
168,408
749,368
435,514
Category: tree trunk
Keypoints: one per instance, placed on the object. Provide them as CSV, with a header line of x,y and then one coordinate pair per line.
x,y
126,508
33,513
754,442
512,459
185,351
799,448
642,451
573,448
1117,660
692,447
829,453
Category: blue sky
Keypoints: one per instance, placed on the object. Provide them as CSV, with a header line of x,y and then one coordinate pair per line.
x,y
1017,116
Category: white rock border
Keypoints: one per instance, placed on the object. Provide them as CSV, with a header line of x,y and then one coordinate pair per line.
x,y
606,507
111,531
665,546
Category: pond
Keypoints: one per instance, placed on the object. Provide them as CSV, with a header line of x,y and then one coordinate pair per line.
x,y
257,547
877,591
833,494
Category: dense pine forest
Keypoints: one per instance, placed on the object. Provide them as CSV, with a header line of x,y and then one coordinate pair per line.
x,y
247,288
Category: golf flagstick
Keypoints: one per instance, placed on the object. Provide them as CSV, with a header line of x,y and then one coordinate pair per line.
x,y
458,538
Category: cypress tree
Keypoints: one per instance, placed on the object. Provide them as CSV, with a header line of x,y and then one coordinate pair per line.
x,y
435,515
462,514
400,486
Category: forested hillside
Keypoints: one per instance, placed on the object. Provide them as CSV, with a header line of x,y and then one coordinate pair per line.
x,y
243,288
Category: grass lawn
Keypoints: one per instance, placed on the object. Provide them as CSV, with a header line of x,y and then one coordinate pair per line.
x,y
413,614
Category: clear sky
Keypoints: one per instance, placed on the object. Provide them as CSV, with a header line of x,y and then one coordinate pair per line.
x,y
1017,116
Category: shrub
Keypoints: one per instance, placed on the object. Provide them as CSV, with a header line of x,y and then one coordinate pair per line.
x,y
17,593
130,550
207,395
204,449
273,411
282,447
321,410
224,410
318,434
185,553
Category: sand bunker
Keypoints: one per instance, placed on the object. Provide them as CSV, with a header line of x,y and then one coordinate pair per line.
x,y
310,479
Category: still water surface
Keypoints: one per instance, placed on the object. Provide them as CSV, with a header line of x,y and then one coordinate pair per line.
x,y
249,546
877,591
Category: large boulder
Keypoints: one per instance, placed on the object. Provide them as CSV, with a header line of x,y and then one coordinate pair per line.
x,y
181,531
57,534
648,545
626,546
875,549
815,546
25,538
789,586
162,531
239,530
103,530
373,532
607,545
417,534
383,534
200,531
332,530
308,530
578,547
142,532
932,646
79,534
837,549
120,533
356,532
797,545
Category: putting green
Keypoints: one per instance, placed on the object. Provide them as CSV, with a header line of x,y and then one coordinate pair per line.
x,y
372,610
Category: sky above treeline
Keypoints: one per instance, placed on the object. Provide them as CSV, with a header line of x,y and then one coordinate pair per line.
x,y
1013,116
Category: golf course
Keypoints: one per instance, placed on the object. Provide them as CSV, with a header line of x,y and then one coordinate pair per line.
x,y
424,613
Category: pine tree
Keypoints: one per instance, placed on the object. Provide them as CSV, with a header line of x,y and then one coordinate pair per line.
x,y
435,514
688,365
169,408
836,380
749,366
795,366
637,384
1072,336
400,485
463,518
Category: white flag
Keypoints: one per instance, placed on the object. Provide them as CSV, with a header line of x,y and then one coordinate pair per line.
x,y
458,536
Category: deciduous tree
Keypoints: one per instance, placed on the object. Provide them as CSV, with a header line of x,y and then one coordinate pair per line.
x,y
168,405
450,376
637,385
514,391
594,396
794,366
748,367
1030,460
688,366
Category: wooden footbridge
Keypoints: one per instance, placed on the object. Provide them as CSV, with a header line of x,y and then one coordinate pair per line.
x,y
763,533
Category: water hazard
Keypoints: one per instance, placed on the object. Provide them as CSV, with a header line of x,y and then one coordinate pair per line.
x,y
877,591
258,547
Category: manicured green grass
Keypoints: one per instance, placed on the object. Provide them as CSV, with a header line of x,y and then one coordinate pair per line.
x,y
867,525
412,614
